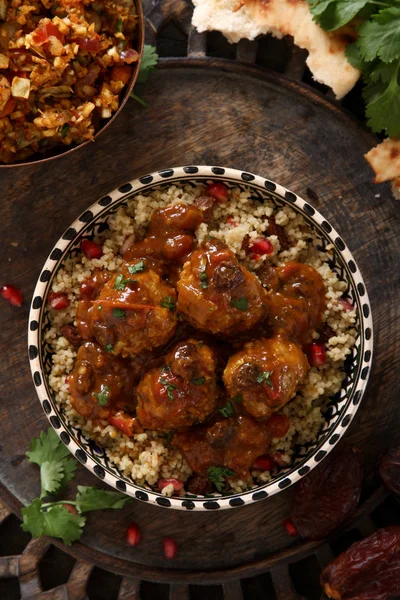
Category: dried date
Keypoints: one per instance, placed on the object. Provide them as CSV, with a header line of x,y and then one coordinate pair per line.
x,y
199,485
274,229
71,333
368,570
206,204
326,497
389,469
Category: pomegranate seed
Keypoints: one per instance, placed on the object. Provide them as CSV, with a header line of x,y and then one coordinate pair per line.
x,y
170,547
280,459
133,535
231,221
12,295
219,191
263,463
346,304
91,249
290,528
261,247
58,300
177,483
316,353
70,508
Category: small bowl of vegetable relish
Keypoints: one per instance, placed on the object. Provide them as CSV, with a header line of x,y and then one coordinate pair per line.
x,y
66,71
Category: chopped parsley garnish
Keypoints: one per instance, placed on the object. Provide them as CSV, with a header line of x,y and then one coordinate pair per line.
x,y
203,275
217,476
238,398
121,282
240,303
118,313
57,468
170,387
108,347
138,268
118,26
228,410
168,302
64,129
264,377
199,380
103,396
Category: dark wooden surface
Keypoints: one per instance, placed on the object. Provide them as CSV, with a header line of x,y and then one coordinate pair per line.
x,y
224,115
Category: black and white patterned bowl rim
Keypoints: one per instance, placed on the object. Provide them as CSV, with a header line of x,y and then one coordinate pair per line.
x,y
342,407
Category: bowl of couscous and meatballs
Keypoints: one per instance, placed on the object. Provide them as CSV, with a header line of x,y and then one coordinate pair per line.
x,y
200,338
66,71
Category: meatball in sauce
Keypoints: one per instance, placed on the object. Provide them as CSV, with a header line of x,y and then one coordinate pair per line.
x,y
265,375
181,392
134,311
218,295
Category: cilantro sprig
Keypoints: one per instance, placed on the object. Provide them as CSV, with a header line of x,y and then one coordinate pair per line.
x,y
265,377
61,518
121,282
147,65
376,53
217,476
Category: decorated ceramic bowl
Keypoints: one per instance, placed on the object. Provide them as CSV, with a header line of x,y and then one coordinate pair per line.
x,y
337,411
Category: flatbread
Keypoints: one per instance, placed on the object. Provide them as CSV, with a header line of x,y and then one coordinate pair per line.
x,y
238,19
385,160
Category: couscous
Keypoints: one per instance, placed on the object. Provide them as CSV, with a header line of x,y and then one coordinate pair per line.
x,y
199,365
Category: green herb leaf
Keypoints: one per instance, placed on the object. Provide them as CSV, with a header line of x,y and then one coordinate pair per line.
x,y
148,63
228,410
383,105
103,396
51,474
203,275
118,313
138,268
170,387
264,377
121,282
376,53
168,302
240,303
91,498
217,476
48,448
56,521
198,380
380,37
32,517
332,14
118,26
64,129
108,347
238,398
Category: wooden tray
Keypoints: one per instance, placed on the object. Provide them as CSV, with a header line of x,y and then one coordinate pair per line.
x,y
225,114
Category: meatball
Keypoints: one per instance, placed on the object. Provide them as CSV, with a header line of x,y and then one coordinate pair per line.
x,y
100,383
218,295
234,443
264,375
133,313
180,393
169,235
296,302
